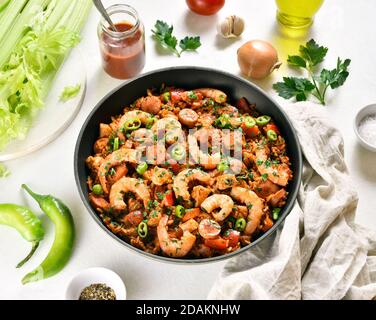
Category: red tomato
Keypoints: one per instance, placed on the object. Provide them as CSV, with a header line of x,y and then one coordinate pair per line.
x,y
134,218
272,127
250,132
174,165
205,7
217,244
169,199
233,237
176,96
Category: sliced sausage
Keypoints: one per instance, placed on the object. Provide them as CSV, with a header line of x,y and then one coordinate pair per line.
x,y
209,229
188,117
150,104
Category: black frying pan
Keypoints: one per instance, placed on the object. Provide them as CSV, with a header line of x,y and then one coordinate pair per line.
x,y
187,78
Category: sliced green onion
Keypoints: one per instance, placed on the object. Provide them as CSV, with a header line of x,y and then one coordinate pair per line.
x,y
142,229
276,212
272,135
223,166
223,121
116,144
166,97
178,152
263,120
179,211
141,168
240,224
97,190
249,122
132,124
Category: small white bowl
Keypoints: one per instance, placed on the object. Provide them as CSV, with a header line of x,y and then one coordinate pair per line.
x,y
95,276
362,114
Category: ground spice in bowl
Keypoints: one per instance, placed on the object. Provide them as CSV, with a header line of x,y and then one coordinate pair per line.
x,y
98,292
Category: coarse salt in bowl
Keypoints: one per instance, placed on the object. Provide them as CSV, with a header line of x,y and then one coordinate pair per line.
x,y
365,127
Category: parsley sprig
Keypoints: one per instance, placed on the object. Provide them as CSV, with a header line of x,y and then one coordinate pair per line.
x,y
310,56
163,34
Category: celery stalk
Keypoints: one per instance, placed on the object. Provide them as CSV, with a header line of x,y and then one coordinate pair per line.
x,y
38,41
60,10
8,16
73,21
3,5
8,43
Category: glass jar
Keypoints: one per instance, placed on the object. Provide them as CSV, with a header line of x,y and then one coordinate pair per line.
x,y
123,51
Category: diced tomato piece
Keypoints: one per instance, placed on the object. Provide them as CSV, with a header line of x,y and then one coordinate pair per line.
x,y
173,165
191,214
217,244
133,218
272,127
250,132
176,96
169,199
233,237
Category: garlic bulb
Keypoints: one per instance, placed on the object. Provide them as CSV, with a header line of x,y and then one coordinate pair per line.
x,y
232,26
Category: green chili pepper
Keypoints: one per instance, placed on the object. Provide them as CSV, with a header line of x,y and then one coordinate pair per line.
x,y
150,122
240,224
276,212
179,211
166,97
132,124
142,229
178,152
272,135
141,168
97,189
249,122
62,246
25,222
223,166
263,120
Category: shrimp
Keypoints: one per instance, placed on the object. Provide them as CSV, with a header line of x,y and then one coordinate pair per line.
x,y
144,117
125,185
114,159
161,176
218,201
172,129
215,94
207,138
277,173
255,207
176,248
182,180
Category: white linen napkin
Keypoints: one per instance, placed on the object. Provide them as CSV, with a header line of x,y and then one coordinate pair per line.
x,y
319,253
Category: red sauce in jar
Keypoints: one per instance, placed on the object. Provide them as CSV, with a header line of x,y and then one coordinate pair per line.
x,y
123,57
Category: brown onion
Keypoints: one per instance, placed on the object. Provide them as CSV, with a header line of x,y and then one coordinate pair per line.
x,y
258,59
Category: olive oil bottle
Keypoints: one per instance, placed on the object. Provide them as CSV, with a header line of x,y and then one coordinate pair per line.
x,y
297,13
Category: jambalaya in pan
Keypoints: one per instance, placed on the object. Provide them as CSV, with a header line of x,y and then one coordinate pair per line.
x,y
185,174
